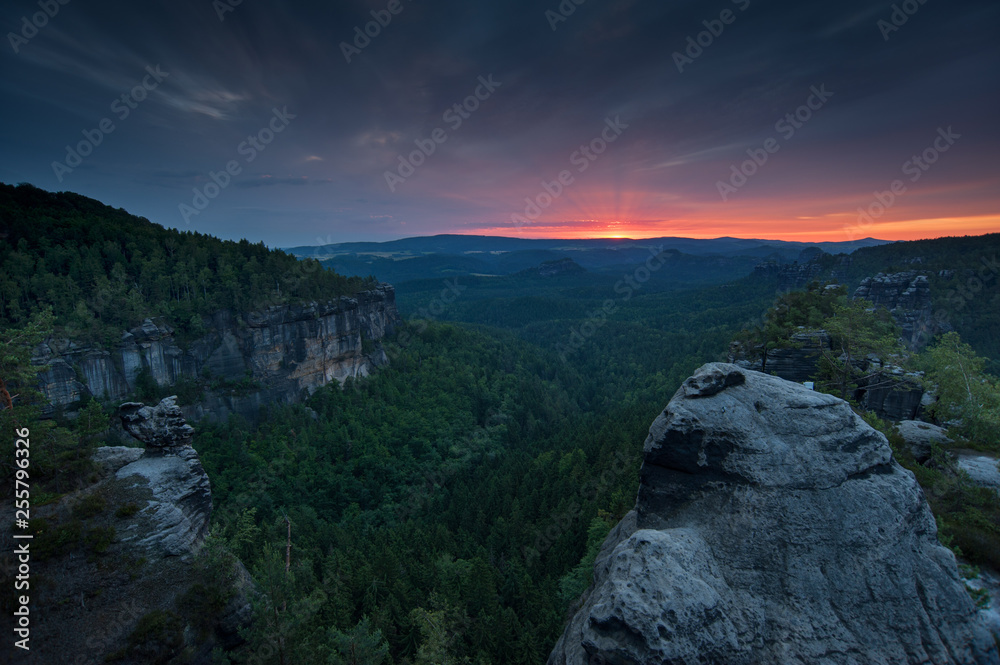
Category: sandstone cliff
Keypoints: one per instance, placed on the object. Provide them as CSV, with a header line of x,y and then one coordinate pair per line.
x,y
772,526
122,574
907,296
273,356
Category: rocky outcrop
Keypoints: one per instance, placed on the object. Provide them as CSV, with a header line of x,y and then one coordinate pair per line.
x,y
772,526
162,426
891,393
907,296
797,362
135,585
792,276
921,438
981,468
179,504
243,364
888,392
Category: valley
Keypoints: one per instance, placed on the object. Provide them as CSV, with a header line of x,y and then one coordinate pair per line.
x,y
424,471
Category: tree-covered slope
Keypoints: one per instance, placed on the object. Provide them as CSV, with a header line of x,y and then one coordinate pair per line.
x,y
103,270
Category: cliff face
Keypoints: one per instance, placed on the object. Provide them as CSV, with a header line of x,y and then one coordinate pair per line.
x,y
772,526
125,576
907,295
283,350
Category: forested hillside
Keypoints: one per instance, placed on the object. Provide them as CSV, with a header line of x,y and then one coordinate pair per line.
x,y
103,270
963,276
444,510
448,509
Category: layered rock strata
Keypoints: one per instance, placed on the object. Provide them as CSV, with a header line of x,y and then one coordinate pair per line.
x,y
248,361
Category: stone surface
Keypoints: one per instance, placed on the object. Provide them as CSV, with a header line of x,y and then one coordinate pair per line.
x,y
181,503
907,295
160,426
772,526
111,458
157,504
990,581
799,363
982,468
285,350
920,437
892,396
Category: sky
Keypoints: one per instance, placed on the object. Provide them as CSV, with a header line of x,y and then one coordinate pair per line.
x,y
299,123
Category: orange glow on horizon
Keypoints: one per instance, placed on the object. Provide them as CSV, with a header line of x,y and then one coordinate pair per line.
x,y
835,228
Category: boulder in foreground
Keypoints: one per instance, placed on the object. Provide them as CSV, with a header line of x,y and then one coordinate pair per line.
x,y
772,526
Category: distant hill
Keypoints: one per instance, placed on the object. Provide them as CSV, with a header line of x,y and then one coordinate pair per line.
x,y
693,261
473,244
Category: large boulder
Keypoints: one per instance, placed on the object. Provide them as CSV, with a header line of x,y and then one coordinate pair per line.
x,y
921,438
772,526
983,469
160,426
138,558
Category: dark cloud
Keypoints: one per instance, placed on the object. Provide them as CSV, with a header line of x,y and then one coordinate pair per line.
x,y
225,79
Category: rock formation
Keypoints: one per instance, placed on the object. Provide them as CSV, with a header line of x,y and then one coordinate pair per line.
x,y
772,526
891,393
794,363
888,392
982,468
283,351
162,426
921,438
179,501
134,586
907,296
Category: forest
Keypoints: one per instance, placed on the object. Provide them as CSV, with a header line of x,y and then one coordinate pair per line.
x,y
102,270
448,508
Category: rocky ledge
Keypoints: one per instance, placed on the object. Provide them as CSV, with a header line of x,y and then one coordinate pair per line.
x,y
772,526
128,552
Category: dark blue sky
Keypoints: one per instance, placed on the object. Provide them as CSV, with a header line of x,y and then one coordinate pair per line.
x,y
672,166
